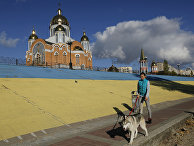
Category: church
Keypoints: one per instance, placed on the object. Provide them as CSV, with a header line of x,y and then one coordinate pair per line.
x,y
59,50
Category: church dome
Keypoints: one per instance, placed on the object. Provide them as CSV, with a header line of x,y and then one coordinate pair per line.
x,y
84,37
59,28
33,35
59,19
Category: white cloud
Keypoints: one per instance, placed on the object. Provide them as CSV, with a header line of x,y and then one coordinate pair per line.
x,y
192,65
7,42
161,38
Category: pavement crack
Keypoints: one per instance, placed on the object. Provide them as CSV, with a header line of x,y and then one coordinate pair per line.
x,y
4,86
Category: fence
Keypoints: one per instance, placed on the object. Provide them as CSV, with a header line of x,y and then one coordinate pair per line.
x,y
12,60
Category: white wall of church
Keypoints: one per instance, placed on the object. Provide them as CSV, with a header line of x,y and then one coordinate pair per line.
x,y
52,30
30,43
53,39
86,45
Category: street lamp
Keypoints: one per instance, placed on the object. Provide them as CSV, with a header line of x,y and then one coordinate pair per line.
x,y
178,65
70,63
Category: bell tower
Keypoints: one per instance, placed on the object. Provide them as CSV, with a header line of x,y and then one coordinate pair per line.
x,y
85,42
59,19
143,63
32,38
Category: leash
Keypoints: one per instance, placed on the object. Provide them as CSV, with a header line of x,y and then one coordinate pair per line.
x,y
133,107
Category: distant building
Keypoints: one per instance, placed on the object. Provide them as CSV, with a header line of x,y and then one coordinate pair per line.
x,y
154,67
105,69
187,72
171,68
160,66
143,63
126,69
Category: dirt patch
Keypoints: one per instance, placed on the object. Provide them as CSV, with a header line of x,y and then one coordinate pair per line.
x,y
184,136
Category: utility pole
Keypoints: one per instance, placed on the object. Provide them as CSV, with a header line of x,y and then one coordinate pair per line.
x,y
178,65
16,61
70,63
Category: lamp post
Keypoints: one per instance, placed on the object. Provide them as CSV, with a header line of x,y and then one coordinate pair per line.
x,y
70,63
16,61
178,65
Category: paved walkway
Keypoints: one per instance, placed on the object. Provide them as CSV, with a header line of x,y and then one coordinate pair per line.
x,y
100,132
108,136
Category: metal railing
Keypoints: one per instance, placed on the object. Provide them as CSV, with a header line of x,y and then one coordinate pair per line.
x,y
12,60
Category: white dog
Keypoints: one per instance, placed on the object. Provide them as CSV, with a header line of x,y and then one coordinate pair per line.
x,y
131,123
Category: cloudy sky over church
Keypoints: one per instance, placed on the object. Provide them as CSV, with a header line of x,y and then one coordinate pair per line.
x,y
116,29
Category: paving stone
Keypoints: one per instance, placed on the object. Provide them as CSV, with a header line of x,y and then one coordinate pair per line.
x,y
158,117
80,141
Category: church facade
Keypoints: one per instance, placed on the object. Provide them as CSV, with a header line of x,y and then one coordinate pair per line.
x,y
154,67
59,50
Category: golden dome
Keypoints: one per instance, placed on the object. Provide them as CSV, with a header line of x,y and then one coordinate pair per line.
x,y
78,48
59,28
84,37
59,19
33,35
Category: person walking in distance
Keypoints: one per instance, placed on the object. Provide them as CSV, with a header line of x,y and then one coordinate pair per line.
x,y
143,90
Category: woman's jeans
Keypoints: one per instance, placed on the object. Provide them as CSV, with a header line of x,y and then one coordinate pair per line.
x,y
141,100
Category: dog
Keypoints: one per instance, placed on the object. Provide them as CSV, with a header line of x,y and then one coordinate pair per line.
x,y
131,123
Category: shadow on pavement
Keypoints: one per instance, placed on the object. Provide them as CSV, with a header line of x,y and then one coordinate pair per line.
x,y
127,106
174,86
119,112
170,85
119,130
189,112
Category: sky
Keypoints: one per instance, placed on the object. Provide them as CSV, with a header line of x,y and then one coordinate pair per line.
x,y
116,29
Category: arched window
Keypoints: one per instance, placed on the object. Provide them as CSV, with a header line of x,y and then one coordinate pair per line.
x,y
53,32
56,57
67,32
56,38
38,53
77,58
65,57
63,37
56,53
29,45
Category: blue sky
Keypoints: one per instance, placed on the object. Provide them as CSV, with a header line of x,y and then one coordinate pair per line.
x,y
17,18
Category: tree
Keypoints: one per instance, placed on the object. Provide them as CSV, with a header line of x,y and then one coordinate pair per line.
x,y
173,73
166,68
191,73
113,69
